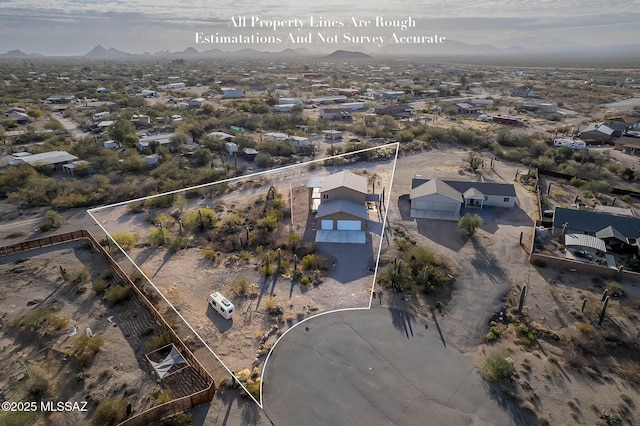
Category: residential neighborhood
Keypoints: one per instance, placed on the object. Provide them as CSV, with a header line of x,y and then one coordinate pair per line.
x,y
211,238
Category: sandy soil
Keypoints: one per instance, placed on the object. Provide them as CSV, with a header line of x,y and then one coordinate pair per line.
x,y
31,280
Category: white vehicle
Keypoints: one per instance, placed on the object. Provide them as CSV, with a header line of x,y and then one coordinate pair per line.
x,y
571,143
483,117
221,305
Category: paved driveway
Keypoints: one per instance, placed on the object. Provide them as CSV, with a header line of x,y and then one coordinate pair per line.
x,y
376,367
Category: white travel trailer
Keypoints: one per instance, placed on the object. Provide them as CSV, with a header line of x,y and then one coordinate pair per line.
x,y
221,305
571,143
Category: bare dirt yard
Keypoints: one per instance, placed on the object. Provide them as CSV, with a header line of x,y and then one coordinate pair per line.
x,y
567,368
48,292
232,249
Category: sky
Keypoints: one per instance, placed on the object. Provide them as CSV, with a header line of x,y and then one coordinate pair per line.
x,y
73,27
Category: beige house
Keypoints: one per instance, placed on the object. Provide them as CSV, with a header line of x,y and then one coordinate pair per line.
x,y
339,203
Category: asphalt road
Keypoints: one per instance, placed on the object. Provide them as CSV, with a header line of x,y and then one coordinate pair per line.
x,y
376,367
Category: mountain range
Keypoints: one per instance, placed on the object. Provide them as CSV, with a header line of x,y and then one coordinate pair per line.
x,y
450,48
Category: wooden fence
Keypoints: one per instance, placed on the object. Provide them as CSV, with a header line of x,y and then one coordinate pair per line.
x,y
164,410
43,242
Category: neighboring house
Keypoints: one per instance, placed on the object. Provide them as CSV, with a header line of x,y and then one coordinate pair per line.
x,y
443,199
339,203
18,117
620,233
397,111
196,103
60,99
180,85
335,114
222,136
283,107
596,132
51,158
111,144
232,92
140,120
467,108
332,135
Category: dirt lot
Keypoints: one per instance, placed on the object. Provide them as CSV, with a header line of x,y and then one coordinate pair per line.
x,y
566,375
40,358
268,305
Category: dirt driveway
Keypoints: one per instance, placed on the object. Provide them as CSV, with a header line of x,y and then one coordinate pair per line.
x,y
487,264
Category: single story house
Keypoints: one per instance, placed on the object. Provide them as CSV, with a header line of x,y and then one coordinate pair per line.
x,y
621,233
335,114
596,132
397,111
443,199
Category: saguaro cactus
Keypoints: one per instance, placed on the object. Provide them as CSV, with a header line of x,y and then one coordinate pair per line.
x,y
603,311
523,295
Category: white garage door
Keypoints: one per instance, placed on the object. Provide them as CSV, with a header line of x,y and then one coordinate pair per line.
x,y
326,224
349,225
444,206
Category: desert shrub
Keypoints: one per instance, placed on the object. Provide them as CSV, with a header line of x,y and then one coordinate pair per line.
x,y
17,418
86,348
125,240
180,419
201,219
634,264
272,307
231,224
497,366
614,289
635,303
210,254
78,275
253,387
527,338
178,243
241,287
38,384
470,223
157,341
116,294
493,334
585,328
164,395
630,371
577,182
267,270
304,281
158,236
41,319
313,262
100,285
110,411
626,198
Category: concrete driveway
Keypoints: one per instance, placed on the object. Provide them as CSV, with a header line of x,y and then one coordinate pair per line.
x,y
376,367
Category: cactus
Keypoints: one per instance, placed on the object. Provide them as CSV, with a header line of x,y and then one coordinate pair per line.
x,y
267,262
603,311
295,262
279,258
584,304
605,293
523,295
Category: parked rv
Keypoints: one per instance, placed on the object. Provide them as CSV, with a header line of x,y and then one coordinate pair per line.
x,y
221,305
571,143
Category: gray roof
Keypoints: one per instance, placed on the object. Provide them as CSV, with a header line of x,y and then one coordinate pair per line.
x,y
482,188
592,222
51,157
344,179
472,193
342,206
435,186
611,232
486,188
583,240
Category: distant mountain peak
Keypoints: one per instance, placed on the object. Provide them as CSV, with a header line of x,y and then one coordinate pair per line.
x,y
347,54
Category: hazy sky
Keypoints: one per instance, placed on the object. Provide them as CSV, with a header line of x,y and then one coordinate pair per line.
x,y
73,27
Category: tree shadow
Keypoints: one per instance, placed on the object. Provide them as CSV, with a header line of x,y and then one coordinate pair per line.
x,y
486,263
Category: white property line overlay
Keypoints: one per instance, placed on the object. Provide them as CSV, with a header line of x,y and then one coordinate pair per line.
x,y
233,179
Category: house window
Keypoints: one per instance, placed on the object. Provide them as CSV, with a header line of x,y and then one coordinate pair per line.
x,y
506,199
325,196
486,198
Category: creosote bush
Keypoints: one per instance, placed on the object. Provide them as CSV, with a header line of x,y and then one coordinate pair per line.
x,y
498,366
